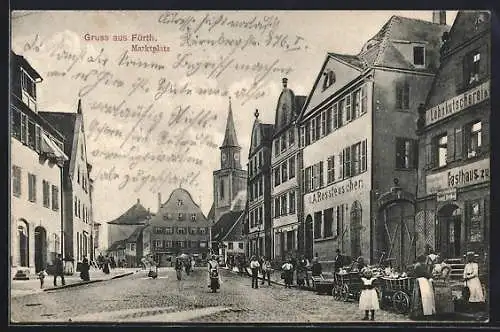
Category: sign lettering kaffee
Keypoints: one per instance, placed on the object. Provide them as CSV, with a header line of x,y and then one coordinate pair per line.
x,y
458,103
459,177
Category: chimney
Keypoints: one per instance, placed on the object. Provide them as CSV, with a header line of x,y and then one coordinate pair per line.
x,y
439,17
285,82
159,201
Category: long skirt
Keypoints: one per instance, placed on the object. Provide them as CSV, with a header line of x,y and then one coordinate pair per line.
x,y
476,290
288,277
368,300
423,303
443,297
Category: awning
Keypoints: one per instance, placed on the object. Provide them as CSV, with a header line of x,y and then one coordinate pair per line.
x,y
51,149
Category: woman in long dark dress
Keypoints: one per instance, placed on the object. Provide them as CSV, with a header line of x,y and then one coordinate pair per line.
x,y
105,266
84,270
423,302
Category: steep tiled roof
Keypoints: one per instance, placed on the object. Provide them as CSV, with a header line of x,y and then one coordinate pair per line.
x,y
236,231
135,235
135,215
224,224
65,124
353,60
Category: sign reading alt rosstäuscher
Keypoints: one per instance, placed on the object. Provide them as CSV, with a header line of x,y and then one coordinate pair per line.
x,y
458,103
459,177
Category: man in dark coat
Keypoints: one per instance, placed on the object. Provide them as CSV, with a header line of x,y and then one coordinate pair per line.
x,y
339,261
59,270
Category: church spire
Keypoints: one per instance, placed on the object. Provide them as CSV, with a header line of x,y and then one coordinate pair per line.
x,y
230,135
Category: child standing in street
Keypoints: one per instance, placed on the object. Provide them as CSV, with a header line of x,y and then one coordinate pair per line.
x,y
368,300
41,276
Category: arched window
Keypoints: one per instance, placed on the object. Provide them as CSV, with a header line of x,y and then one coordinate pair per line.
x,y
355,229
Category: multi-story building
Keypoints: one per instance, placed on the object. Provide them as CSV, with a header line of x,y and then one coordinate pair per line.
x,y
259,227
178,227
359,143
286,161
37,158
454,165
78,224
229,182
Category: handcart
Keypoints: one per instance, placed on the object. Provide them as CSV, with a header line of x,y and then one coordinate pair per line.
x,y
397,293
323,284
347,286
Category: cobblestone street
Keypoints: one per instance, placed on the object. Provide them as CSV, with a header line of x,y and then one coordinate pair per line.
x,y
139,298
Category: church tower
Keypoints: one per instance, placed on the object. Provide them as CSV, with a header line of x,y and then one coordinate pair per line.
x,y
230,179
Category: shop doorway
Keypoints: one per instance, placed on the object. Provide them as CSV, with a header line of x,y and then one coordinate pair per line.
x,y
450,225
40,249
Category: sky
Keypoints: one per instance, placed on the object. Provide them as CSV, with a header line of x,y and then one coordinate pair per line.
x,y
154,120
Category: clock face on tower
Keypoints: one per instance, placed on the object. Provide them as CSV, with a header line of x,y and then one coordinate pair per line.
x,y
224,157
236,156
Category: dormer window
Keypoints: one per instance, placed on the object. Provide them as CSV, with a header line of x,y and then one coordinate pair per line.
x,y
328,79
419,56
28,90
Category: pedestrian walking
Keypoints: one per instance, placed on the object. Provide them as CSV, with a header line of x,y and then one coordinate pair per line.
x,y
288,273
178,268
266,271
339,261
193,263
302,277
368,299
254,267
59,270
84,270
112,262
105,265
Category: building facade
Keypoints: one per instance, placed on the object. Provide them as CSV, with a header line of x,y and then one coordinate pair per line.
x,y
454,167
286,162
77,213
37,159
259,224
178,227
359,143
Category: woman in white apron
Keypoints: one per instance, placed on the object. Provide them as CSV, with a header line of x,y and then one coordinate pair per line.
x,y
423,302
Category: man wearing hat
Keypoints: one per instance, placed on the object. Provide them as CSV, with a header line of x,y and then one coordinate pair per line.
x,y
254,266
339,261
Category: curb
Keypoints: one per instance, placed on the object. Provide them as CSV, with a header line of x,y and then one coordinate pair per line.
x,y
87,282
274,282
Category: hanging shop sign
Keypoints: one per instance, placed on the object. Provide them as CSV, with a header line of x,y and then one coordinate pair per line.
x,y
459,177
458,103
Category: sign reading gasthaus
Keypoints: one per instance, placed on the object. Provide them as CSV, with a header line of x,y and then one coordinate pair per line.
x,y
458,103
458,177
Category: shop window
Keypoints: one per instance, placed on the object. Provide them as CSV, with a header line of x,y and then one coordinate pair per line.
x,y
475,216
16,181
32,187
419,55
403,96
317,225
472,63
328,223
473,138
405,153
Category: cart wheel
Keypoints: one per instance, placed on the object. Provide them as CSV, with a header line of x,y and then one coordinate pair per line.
x,y
401,302
344,293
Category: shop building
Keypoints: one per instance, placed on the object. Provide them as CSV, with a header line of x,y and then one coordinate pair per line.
x,y
77,213
286,161
37,159
178,227
454,168
259,226
357,132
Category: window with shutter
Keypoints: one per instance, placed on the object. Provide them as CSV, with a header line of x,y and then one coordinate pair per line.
x,y
450,156
364,155
341,165
348,108
347,162
318,127
329,120
320,169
